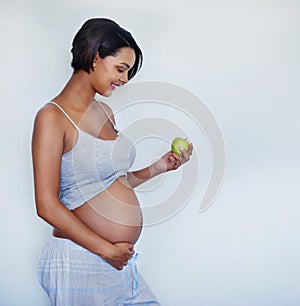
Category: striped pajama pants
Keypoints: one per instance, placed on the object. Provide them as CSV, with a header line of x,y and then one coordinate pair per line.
x,y
74,276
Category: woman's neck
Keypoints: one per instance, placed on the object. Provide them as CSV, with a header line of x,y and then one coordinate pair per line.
x,y
78,92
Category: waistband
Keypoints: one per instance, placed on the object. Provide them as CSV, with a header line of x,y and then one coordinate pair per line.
x,y
65,243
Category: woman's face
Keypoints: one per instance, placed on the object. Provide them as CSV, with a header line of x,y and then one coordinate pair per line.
x,y
112,71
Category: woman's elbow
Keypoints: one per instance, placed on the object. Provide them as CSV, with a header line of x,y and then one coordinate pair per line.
x,y
45,208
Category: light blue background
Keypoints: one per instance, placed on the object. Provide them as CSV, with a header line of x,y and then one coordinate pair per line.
x,y
242,59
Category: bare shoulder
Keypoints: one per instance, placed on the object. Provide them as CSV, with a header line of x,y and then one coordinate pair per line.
x,y
108,110
47,112
49,116
48,128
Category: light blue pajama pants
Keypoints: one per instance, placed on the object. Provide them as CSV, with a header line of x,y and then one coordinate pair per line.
x,y
74,276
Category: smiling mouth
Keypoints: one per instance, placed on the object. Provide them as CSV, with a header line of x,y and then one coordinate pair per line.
x,y
113,86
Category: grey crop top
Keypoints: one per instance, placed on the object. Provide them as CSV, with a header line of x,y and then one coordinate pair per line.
x,y
92,165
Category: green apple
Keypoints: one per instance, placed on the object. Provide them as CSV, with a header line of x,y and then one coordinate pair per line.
x,y
178,143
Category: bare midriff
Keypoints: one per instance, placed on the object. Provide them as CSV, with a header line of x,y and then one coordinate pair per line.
x,y
114,214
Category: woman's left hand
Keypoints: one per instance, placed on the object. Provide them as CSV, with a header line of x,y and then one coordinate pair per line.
x,y
172,161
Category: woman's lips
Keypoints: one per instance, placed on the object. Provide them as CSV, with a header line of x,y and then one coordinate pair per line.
x,y
113,86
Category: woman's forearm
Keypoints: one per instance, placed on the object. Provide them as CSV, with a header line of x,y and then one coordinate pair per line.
x,y
71,226
167,162
138,177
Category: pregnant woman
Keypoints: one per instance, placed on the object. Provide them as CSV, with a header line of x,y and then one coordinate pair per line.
x,y
83,187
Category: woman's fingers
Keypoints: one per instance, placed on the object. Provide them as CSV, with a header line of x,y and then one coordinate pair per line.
x,y
173,160
190,149
186,153
185,156
119,265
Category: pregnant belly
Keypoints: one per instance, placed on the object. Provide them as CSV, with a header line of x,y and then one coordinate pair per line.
x,y
114,214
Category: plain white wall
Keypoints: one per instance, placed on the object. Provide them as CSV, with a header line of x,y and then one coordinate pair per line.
x,y
242,59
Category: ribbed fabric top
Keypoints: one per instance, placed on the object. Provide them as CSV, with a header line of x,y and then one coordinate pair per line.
x,y
92,165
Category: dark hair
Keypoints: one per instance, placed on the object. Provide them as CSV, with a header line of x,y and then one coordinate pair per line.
x,y
105,37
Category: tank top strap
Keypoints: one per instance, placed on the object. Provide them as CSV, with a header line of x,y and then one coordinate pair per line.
x,y
76,127
107,115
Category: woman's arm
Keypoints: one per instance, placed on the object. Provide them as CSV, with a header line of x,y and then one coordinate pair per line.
x,y
47,149
169,161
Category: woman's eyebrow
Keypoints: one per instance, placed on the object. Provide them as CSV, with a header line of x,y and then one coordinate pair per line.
x,y
125,65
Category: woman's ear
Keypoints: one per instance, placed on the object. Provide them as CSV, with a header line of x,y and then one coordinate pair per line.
x,y
96,58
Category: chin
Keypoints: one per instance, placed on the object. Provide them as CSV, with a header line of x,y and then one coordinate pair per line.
x,y
105,94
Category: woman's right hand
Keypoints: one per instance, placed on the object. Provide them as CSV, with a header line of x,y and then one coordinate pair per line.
x,y
121,253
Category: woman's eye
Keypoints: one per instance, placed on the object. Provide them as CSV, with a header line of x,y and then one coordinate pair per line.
x,y
120,70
